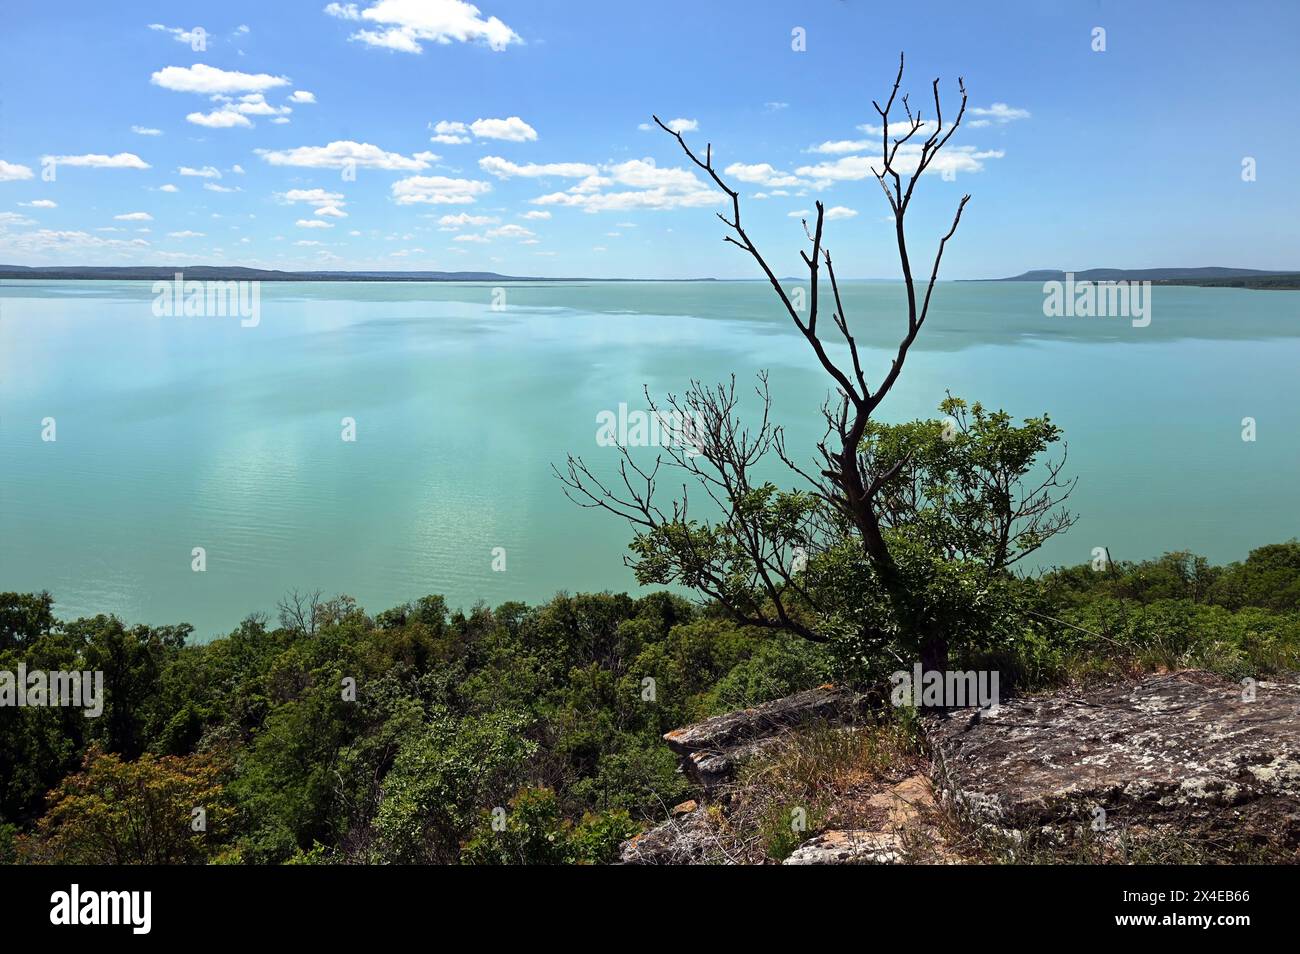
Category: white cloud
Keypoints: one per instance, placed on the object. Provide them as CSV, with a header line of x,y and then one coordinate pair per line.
x,y
762,173
168,188
406,24
450,132
185,234
255,104
201,78
850,168
341,153
898,129
233,112
511,129
536,214
511,231
134,217
146,131
207,172
449,223
181,35
13,218
797,214
648,187
40,204
840,146
999,113
840,212
223,118
123,160
677,125
237,169
438,190
45,240
592,184
213,187
10,172
643,173
331,212
504,169
313,224
302,96
311,196
517,232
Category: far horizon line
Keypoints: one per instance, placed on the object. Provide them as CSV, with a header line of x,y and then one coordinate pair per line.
x,y
248,272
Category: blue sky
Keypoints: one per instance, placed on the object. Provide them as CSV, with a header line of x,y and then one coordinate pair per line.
x,y
508,137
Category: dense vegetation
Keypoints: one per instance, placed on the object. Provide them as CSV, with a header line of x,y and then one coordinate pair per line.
x,y
520,734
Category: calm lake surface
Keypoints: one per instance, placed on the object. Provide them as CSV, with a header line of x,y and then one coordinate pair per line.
x,y
175,433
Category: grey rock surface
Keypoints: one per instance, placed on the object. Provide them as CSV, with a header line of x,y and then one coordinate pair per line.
x,y
711,750
1183,751
687,839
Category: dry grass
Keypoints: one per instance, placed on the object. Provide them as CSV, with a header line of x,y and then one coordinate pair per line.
x,y
823,778
815,779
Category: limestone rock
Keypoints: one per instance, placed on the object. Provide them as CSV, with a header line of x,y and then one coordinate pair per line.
x,y
849,847
712,749
688,839
1180,751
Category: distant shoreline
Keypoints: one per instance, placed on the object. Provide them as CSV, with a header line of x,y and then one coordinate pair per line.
x,y
150,273
1213,277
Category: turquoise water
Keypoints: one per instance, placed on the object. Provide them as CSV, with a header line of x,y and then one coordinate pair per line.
x,y
175,433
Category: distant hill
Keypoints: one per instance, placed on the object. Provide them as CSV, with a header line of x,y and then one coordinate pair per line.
x,y
236,273
154,273
1212,277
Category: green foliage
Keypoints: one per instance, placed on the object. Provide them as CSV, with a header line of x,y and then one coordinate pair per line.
x,y
916,561
392,739
115,812
533,831
440,777
959,486
24,617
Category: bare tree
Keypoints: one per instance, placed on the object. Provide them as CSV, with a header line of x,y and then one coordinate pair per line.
x,y
300,612
747,560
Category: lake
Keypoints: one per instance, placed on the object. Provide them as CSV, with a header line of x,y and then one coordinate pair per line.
x,y
174,433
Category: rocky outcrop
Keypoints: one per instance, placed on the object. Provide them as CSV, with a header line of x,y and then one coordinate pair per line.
x,y
905,811
853,847
711,750
688,838
1186,752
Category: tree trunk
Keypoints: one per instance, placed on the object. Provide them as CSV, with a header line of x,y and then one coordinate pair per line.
x,y
934,653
